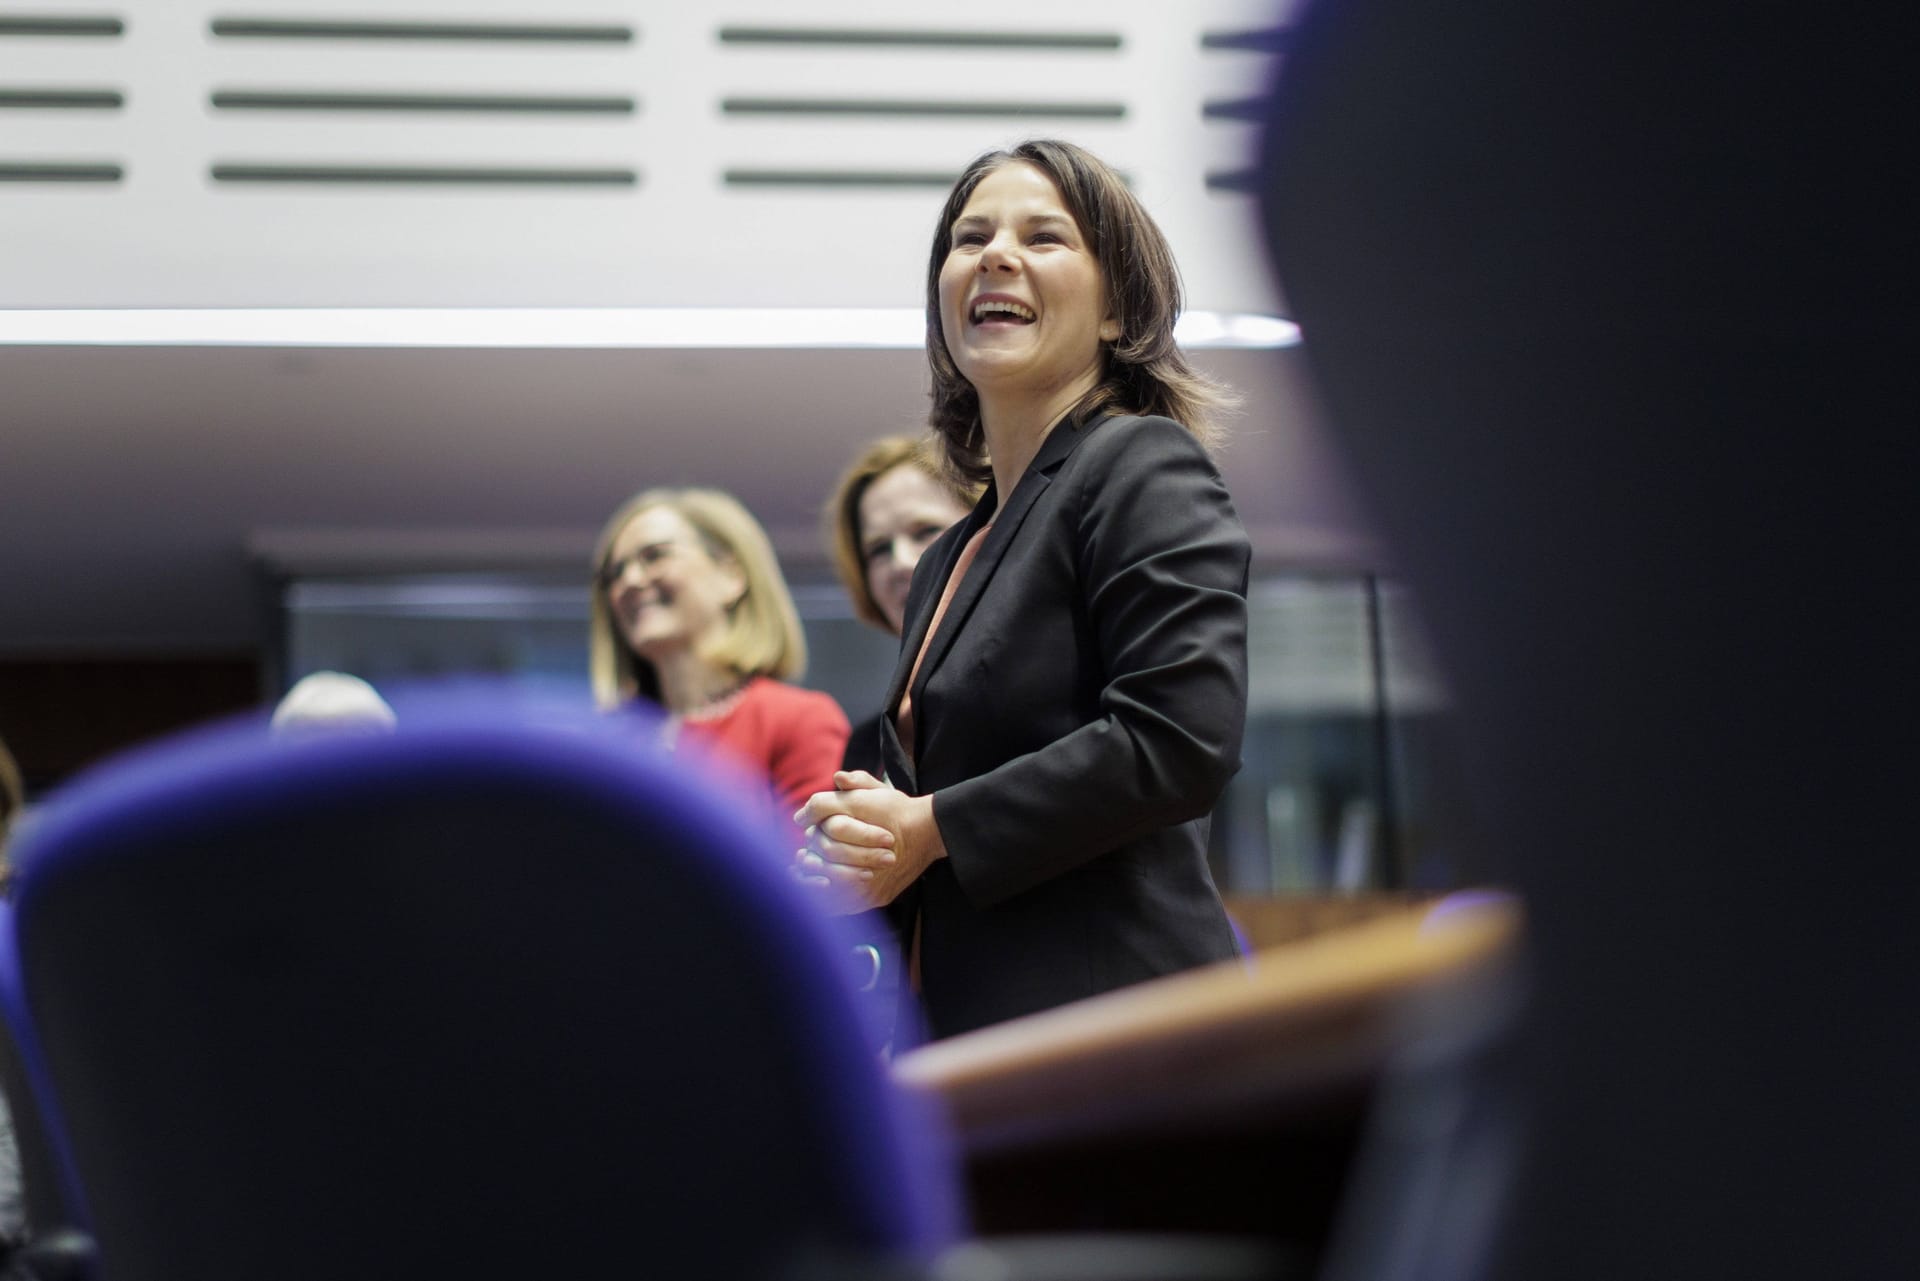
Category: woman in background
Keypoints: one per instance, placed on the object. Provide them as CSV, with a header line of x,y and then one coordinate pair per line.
x,y
1072,685
13,799
13,1209
887,509
690,612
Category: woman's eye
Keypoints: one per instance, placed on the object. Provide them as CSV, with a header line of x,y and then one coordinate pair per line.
x,y
969,238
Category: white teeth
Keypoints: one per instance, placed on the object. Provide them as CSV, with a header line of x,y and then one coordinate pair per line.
x,y
1002,306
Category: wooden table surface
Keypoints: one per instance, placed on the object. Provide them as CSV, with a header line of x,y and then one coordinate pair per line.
x,y
1284,1026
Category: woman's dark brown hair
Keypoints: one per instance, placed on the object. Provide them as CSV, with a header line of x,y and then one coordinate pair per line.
x,y
1145,372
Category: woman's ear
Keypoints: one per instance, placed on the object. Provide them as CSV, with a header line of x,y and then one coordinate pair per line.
x,y
1109,330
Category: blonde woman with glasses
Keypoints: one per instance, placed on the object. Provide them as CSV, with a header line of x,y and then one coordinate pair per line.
x,y
691,615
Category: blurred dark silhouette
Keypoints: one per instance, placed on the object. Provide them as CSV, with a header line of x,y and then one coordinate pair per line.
x,y
1613,307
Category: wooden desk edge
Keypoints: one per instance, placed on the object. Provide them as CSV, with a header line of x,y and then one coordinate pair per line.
x,y
1295,1018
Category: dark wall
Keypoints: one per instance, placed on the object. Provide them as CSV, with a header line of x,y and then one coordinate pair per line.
x,y
58,714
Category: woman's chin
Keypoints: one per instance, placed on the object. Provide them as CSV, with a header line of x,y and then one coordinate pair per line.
x,y
994,378
654,646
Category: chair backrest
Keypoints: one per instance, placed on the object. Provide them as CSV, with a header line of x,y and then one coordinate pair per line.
x,y
471,999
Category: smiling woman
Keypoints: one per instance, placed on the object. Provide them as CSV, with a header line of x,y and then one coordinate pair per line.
x,y
690,612
1073,203
1072,686
888,507
1021,299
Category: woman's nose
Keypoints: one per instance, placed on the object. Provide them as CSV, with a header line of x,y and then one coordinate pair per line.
x,y
905,554
998,255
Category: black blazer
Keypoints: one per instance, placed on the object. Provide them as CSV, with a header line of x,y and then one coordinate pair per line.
x,y
1077,716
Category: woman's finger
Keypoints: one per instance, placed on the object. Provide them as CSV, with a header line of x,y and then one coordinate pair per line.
x,y
842,877
850,784
867,858
858,853
820,806
849,830
837,898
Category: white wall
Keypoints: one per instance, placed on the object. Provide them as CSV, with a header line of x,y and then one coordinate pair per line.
x,y
168,234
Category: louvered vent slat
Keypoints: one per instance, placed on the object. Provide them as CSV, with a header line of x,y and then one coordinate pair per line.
x,y
60,171
1238,181
928,108
54,24
1264,40
444,103
938,180
898,37
1243,109
495,32
62,99
423,175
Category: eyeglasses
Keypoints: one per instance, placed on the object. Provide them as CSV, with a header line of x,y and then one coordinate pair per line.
x,y
648,558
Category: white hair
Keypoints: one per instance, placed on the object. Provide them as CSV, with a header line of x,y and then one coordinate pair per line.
x,y
331,701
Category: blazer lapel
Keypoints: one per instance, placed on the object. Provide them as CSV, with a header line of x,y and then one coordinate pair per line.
x,y
893,756
1054,449
915,634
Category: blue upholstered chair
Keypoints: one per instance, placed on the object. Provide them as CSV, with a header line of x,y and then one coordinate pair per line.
x,y
471,999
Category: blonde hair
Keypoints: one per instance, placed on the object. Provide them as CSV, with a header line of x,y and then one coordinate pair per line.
x,y
762,635
844,535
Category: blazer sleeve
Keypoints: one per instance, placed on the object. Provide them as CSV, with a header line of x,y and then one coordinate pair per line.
x,y
1162,565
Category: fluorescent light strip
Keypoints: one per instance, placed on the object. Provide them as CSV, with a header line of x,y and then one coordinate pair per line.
x,y
576,327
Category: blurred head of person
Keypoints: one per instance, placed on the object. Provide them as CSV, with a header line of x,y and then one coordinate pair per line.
x,y
686,577
887,509
331,702
1047,275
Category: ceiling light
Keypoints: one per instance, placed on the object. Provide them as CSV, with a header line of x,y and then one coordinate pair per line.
x,y
558,327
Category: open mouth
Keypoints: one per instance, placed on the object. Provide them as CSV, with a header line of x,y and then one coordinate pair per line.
x,y
1000,311
635,606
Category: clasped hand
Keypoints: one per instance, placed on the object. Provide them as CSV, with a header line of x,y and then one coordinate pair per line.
x,y
866,842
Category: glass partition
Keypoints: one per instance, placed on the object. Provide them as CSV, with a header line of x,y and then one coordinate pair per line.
x,y
1348,782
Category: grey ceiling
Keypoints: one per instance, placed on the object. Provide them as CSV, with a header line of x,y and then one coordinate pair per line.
x,y
145,487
